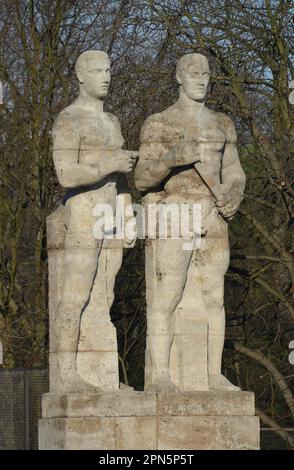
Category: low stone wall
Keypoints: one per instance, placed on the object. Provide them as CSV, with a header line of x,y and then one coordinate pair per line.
x,y
147,420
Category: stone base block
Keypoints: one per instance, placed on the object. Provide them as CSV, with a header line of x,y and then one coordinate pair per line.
x,y
126,420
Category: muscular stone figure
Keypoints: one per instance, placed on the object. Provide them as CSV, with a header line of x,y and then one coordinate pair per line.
x,y
90,164
188,154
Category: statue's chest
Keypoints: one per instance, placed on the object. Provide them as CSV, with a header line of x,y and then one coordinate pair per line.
x,y
209,135
100,132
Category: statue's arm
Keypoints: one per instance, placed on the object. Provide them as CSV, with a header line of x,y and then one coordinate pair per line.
x,y
125,204
71,173
232,174
233,178
155,161
151,169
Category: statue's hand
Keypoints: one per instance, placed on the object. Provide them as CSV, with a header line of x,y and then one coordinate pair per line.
x,y
208,214
228,210
185,153
227,203
124,160
131,233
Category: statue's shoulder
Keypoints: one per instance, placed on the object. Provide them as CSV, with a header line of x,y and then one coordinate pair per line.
x,y
154,119
154,127
112,116
171,114
113,119
226,124
69,116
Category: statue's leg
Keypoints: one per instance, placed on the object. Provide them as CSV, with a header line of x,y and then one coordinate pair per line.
x,y
216,255
79,270
97,359
113,262
80,265
166,273
102,291
114,258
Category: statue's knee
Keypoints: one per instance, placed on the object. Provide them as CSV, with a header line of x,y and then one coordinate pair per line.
x,y
166,303
110,298
215,310
213,300
158,322
66,342
67,319
73,303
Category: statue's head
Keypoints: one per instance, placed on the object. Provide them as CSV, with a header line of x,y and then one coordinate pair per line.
x,y
193,75
93,72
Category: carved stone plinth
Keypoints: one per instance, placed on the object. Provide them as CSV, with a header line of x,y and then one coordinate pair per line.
x,y
147,420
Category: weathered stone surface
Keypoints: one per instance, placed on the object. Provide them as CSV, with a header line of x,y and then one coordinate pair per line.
x,y
131,403
62,373
91,341
208,433
162,433
77,433
91,165
99,368
52,434
207,403
91,434
54,405
136,433
55,246
237,432
188,155
179,433
148,420
119,403
190,348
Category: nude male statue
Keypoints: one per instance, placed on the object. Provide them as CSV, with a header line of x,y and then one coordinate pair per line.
x,y
188,154
91,164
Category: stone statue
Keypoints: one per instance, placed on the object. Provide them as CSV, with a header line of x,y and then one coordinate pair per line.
x,y
91,165
188,154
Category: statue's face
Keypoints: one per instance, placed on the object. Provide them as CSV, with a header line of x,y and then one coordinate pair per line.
x,y
194,79
95,77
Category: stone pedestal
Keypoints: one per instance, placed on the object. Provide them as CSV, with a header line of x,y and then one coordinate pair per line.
x,y
126,420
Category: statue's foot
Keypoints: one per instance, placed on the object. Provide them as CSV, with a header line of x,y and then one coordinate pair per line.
x,y
65,378
125,388
163,384
220,382
78,384
74,383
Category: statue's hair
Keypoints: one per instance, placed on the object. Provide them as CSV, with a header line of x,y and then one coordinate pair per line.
x,y
80,63
188,59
